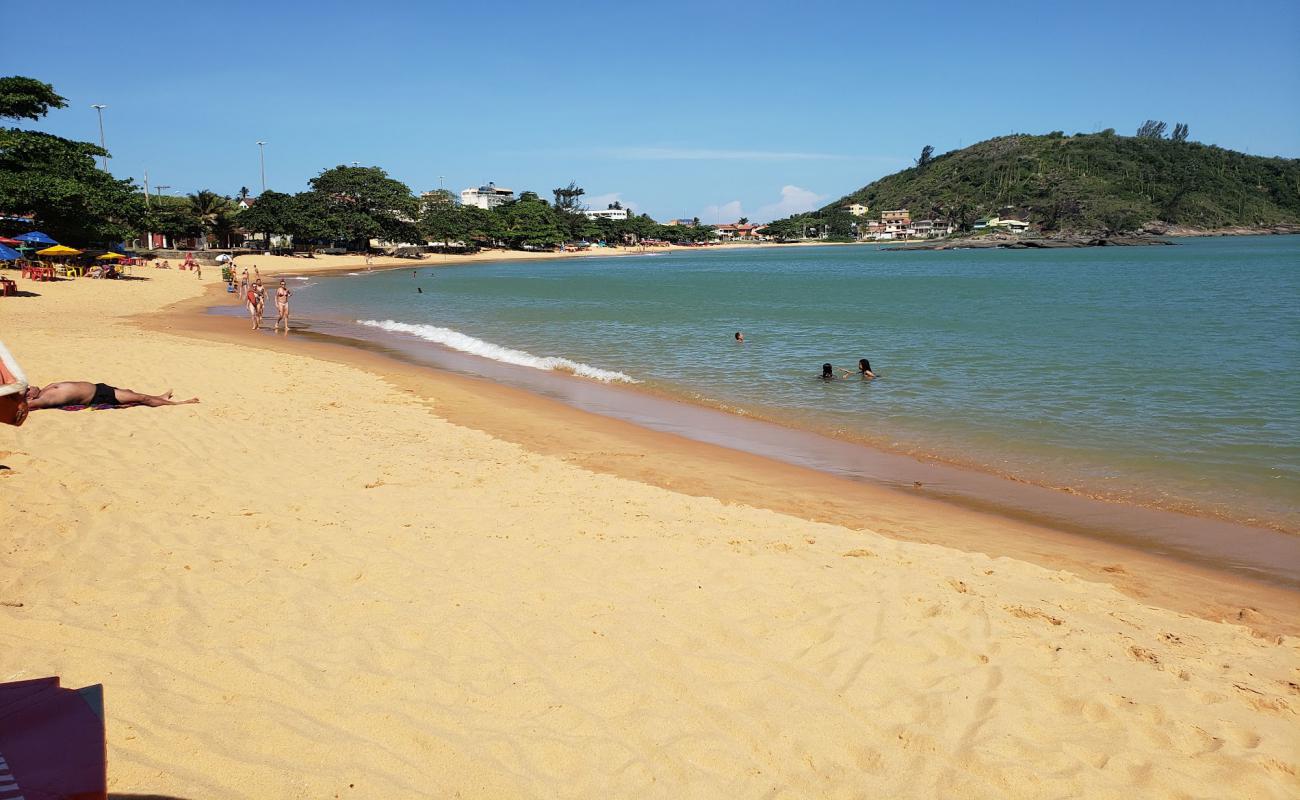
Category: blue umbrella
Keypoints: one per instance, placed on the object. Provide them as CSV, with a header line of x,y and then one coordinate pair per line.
x,y
36,237
7,253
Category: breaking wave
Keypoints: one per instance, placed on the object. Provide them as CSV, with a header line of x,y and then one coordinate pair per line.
x,y
468,344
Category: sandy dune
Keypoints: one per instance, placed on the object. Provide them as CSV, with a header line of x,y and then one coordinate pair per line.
x,y
312,585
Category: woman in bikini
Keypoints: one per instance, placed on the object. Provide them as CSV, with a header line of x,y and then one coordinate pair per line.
x,y
250,302
282,295
261,300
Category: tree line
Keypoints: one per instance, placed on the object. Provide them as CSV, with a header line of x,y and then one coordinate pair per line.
x,y
58,181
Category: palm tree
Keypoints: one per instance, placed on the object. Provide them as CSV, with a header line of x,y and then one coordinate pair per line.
x,y
211,210
243,193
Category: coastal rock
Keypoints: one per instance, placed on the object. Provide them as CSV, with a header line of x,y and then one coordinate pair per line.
x,y
1035,243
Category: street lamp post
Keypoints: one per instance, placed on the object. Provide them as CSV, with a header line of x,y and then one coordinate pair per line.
x,y
99,108
261,157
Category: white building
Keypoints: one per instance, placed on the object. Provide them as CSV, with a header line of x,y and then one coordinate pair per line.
x,y
606,213
857,209
489,196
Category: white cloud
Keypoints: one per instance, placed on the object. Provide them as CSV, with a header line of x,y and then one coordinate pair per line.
x,y
727,212
601,201
706,154
794,200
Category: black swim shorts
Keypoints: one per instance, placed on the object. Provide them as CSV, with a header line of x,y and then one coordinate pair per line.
x,y
105,395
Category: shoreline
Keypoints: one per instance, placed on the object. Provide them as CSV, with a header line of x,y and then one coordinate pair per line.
x,y
624,449
279,266
1149,498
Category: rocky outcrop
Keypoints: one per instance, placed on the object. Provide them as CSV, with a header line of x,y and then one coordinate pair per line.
x,y
1034,243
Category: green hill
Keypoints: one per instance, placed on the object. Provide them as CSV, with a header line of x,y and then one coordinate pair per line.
x,y
1090,183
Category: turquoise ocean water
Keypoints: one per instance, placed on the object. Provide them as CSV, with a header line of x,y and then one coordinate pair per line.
x,y
1166,376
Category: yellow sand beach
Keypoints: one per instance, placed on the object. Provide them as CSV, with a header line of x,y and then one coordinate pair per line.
x,y
333,578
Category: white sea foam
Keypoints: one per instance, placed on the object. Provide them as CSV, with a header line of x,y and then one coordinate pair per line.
x,y
468,344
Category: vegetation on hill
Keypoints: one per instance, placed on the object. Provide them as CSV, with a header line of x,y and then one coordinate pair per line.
x,y
1086,183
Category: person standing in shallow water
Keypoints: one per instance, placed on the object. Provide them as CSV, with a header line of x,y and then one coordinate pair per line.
x,y
282,295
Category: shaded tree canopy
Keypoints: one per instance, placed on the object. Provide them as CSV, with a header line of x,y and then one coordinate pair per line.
x,y
56,179
27,98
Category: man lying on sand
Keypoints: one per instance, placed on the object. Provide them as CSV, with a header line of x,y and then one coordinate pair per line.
x,y
84,393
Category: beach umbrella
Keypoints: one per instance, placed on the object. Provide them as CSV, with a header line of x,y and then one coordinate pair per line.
x,y
224,257
58,250
7,253
7,240
110,257
35,237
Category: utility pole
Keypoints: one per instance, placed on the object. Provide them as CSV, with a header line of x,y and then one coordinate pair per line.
x,y
161,189
148,235
261,157
440,179
99,107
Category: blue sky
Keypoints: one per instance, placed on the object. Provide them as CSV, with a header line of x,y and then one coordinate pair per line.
x,y
710,109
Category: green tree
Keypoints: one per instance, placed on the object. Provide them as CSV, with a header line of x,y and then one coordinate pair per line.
x,y
1151,129
441,220
56,179
1180,132
531,222
173,217
214,214
927,155
363,203
27,98
303,216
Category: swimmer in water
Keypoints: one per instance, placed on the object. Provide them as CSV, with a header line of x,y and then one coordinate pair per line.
x,y
828,372
864,370
418,290
740,337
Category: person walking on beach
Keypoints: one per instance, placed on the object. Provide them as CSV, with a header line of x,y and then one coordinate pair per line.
x,y
282,295
261,299
250,302
243,283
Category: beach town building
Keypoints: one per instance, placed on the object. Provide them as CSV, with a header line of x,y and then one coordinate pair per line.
x,y
857,209
246,203
1010,225
488,196
606,213
684,222
734,230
